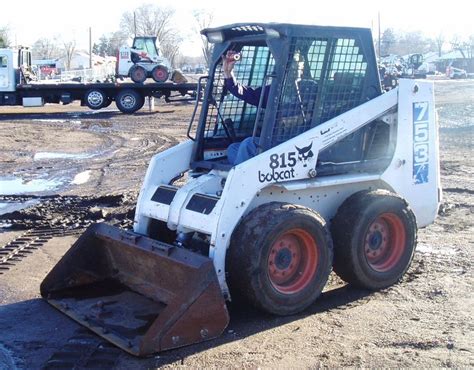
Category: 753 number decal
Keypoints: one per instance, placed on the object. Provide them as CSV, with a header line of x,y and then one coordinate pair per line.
x,y
420,142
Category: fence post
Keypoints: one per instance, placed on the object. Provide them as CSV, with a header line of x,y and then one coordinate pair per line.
x,y
151,103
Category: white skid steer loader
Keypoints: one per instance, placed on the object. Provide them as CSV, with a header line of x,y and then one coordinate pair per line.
x,y
143,60
342,178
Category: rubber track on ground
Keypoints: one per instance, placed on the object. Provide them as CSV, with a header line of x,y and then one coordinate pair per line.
x,y
25,244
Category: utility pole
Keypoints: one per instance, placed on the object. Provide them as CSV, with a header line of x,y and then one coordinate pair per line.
x,y
135,23
379,36
90,47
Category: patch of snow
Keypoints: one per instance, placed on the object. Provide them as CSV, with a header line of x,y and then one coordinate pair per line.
x,y
81,178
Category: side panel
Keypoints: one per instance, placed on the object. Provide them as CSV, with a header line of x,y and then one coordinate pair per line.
x,y
414,171
124,61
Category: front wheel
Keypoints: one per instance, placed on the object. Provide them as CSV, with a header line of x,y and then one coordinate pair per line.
x,y
280,258
374,235
129,101
95,99
160,73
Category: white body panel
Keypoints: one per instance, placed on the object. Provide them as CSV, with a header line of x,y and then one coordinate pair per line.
x,y
258,181
414,171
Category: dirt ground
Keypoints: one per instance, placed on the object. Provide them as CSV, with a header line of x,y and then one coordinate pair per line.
x,y
88,166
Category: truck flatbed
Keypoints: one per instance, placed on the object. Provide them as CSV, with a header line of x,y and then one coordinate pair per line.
x,y
128,96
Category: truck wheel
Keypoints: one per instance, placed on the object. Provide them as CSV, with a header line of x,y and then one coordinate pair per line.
x,y
95,99
374,236
160,73
129,101
138,74
280,258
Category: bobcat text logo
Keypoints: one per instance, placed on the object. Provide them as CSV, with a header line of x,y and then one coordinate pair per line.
x,y
305,153
282,165
281,168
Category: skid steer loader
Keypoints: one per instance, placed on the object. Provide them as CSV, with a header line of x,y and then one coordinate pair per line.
x,y
343,176
143,60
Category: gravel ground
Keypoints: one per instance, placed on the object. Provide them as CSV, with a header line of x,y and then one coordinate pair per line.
x,y
88,167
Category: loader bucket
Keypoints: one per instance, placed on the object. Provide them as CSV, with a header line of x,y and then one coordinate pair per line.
x,y
138,293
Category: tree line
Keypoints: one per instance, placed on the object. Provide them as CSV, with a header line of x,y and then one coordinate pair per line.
x,y
145,20
403,43
158,21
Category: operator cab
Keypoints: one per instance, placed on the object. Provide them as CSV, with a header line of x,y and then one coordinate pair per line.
x,y
144,49
314,74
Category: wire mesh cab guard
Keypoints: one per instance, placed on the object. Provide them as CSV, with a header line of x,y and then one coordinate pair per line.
x,y
319,73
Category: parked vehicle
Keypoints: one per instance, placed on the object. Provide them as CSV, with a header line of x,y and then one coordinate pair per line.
x,y
453,72
143,60
19,86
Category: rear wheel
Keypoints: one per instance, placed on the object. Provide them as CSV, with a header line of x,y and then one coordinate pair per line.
x,y
280,258
129,101
160,73
374,236
95,99
138,74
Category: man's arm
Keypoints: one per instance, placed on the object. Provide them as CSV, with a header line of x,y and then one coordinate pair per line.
x,y
248,94
245,93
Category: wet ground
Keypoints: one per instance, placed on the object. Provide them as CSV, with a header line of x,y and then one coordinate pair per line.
x,y
73,167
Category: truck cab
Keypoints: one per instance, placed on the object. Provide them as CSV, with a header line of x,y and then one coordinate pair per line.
x,y
8,65
15,68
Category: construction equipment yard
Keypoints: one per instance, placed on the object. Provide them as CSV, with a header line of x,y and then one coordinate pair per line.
x,y
63,168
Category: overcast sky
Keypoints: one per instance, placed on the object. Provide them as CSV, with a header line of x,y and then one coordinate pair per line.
x,y
29,20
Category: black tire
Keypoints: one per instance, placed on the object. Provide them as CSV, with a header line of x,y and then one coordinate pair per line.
x,y
273,239
129,101
107,102
160,73
138,74
95,99
374,235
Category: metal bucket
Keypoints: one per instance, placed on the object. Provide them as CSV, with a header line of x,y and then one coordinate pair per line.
x,y
143,295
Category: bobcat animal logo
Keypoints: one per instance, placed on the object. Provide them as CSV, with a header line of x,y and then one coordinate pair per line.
x,y
305,153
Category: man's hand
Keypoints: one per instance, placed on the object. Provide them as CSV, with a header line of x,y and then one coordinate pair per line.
x,y
228,62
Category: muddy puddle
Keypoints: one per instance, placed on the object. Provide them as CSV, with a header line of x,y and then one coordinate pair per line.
x,y
12,206
17,185
57,155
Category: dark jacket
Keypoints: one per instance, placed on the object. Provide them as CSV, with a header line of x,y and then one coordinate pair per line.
x,y
248,94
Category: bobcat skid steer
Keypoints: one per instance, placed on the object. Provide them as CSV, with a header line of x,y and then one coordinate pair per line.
x,y
343,176
143,60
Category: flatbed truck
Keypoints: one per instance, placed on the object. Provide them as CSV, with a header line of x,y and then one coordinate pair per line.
x,y
18,87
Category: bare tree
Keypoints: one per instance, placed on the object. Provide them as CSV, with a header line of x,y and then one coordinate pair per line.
x,y
439,41
153,20
4,39
69,50
204,19
116,41
412,42
45,48
388,40
169,48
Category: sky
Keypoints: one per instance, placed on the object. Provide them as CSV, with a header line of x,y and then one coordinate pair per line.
x,y
71,20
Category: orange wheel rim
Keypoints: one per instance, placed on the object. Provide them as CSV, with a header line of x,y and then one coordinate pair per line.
x,y
385,242
292,261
